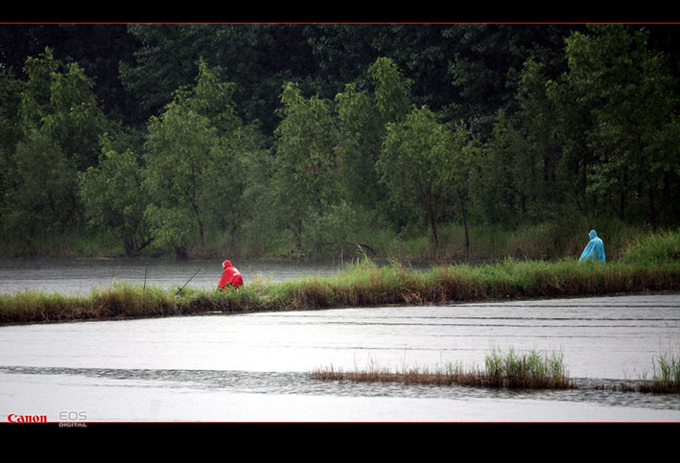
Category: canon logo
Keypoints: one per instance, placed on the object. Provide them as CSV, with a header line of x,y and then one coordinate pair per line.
x,y
14,418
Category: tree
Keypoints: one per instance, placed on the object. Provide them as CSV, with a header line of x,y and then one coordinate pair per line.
x,y
362,126
485,65
97,48
572,122
411,164
633,99
230,183
360,135
257,58
180,144
305,174
59,100
50,135
10,128
499,197
42,200
458,169
524,178
391,90
192,169
114,197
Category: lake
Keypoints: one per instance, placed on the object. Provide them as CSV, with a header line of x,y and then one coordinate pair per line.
x,y
255,367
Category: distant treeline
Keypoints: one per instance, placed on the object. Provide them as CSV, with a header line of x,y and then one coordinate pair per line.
x,y
306,139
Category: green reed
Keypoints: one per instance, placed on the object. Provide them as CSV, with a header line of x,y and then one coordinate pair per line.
x,y
534,369
511,369
665,372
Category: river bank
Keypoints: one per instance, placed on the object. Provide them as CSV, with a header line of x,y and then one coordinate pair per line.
x,y
363,283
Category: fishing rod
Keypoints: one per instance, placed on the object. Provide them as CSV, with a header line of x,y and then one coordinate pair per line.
x,y
180,289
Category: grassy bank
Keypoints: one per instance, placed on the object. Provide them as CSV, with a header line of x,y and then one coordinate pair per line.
x,y
363,283
649,264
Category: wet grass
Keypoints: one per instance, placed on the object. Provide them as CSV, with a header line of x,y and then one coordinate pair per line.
x,y
511,370
650,265
532,370
665,373
118,301
363,283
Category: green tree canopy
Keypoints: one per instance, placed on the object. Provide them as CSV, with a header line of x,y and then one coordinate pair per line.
x,y
192,164
633,98
114,197
411,164
305,174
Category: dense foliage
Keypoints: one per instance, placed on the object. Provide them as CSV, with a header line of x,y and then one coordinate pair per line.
x,y
264,139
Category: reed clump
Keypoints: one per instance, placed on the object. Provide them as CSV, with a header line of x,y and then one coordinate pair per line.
x,y
665,373
436,376
512,370
532,370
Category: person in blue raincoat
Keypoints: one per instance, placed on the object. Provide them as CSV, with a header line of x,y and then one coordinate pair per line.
x,y
594,250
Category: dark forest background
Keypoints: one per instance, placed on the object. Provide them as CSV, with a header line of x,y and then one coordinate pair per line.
x,y
307,139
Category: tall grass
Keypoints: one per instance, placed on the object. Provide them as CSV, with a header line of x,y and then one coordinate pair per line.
x,y
535,369
659,249
542,241
510,370
119,300
532,370
561,237
665,372
650,264
365,283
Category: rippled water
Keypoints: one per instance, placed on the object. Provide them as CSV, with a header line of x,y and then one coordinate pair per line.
x,y
255,367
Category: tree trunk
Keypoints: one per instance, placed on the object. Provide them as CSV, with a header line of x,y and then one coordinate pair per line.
x,y
652,207
181,253
624,199
462,210
198,219
432,220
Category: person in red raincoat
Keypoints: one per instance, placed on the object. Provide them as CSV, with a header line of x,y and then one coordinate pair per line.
x,y
230,276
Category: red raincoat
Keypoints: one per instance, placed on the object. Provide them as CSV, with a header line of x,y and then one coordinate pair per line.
x,y
230,276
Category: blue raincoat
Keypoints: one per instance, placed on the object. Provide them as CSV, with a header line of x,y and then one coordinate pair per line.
x,y
594,250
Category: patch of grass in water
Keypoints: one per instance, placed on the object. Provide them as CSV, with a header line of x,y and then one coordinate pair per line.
x,y
665,373
511,370
532,370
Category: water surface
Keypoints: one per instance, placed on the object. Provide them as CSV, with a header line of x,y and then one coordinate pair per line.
x,y
255,367
77,276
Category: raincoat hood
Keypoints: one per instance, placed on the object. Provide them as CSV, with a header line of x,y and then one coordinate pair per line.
x,y
226,264
593,234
